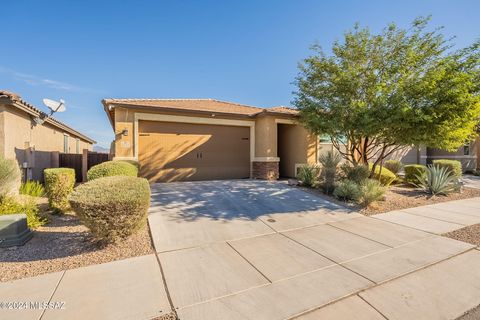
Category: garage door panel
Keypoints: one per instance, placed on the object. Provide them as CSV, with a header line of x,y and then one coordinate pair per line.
x,y
179,151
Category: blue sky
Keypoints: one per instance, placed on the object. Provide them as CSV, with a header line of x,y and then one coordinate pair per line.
x,y
241,51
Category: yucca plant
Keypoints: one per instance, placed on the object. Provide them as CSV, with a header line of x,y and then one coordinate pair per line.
x,y
32,188
308,175
329,162
371,191
437,181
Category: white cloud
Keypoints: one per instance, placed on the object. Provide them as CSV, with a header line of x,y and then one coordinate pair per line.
x,y
34,80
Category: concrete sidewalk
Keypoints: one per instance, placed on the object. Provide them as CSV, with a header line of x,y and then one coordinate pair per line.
x,y
306,259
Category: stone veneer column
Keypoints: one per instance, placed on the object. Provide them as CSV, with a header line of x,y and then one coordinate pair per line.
x,y
266,170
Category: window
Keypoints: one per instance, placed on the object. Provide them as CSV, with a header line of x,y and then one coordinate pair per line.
x,y
77,145
65,143
466,150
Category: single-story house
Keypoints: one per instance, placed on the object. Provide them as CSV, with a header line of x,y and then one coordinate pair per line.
x,y
467,154
207,139
32,144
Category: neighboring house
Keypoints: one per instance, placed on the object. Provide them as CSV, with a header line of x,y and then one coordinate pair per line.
x,y
35,146
468,155
206,139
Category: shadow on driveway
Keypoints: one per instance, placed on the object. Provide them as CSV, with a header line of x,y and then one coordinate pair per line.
x,y
232,199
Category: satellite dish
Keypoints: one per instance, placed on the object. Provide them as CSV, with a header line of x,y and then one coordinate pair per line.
x,y
55,106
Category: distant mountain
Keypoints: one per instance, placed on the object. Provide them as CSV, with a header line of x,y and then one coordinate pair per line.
x,y
100,149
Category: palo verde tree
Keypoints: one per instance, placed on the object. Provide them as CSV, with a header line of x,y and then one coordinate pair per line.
x,y
378,93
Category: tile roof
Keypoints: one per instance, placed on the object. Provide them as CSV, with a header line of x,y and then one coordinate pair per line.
x,y
283,109
15,98
208,105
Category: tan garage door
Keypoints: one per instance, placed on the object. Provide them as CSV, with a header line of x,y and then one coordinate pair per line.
x,y
171,151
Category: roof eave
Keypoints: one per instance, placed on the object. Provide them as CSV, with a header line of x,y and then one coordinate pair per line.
x,y
51,121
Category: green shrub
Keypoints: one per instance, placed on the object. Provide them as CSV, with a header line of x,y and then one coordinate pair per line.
x,y
438,180
112,207
59,184
453,166
133,162
393,165
329,162
412,171
112,168
10,176
27,205
347,190
357,173
308,175
371,191
32,188
386,177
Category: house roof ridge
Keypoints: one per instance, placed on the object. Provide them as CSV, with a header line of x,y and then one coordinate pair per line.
x,y
181,99
14,97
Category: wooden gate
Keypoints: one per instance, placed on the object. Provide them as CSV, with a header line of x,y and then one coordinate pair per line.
x,y
80,162
74,161
95,158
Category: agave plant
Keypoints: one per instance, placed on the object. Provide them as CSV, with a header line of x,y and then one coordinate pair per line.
x,y
437,180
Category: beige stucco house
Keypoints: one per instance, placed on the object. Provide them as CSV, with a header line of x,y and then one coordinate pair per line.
x,y
206,139
32,144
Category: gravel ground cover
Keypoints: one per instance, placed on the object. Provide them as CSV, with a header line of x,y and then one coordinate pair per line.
x,y
64,243
400,197
470,234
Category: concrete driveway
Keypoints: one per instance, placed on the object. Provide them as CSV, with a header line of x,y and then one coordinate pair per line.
x,y
263,250
191,214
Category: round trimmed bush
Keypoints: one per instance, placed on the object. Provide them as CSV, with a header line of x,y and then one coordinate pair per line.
x,y
393,165
112,208
386,177
453,166
59,184
413,171
112,168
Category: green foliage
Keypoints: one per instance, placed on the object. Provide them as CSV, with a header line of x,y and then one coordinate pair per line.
x,y
394,166
382,174
32,188
371,191
59,184
112,207
9,177
133,162
347,190
387,91
112,168
329,162
453,166
364,193
412,171
438,180
308,175
357,173
27,205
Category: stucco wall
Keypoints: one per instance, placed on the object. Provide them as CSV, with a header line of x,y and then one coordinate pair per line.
x,y
2,131
124,119
265,137
295,146
469,162
21,134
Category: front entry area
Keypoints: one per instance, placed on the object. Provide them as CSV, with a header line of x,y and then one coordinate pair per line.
x,y
171,151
